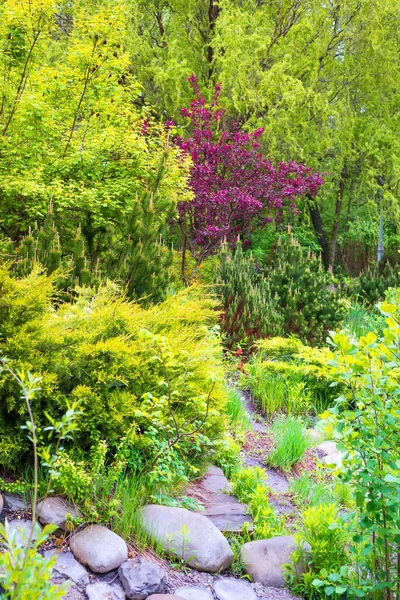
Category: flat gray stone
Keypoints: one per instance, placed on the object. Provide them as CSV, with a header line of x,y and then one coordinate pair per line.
x,y
215,481
327,448
14,502
276,481
54,510
273,479
164,597
194,593
68,566
315,435
141,578
335,459
20,530
234,589
191,536
264,560
104,591
99,548
229,517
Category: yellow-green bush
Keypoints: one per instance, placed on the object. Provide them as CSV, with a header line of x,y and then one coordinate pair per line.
x,y
288,376
151,373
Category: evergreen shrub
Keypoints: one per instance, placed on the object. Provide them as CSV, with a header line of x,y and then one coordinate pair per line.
x,y
149,374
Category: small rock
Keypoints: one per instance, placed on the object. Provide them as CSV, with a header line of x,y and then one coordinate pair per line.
x,y
315,435
191,536
104,591
141,578
23,529
327,448
335,459
68,566
14,502
234,589
264,559
1,503
99,548
194,593
54,510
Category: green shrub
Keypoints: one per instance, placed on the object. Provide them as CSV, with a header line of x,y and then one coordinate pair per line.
x,y
327,535
248,485
372,284
366,425
309,299
250,311
99,352
290,441
289,377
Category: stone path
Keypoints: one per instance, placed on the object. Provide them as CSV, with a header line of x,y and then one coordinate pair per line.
x,y
214,492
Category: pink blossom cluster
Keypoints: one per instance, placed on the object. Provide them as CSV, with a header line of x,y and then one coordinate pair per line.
x,y
235,187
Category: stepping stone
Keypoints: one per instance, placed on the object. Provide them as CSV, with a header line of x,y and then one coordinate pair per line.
x,y
21,530
191,536
264,560
99,548
335,459
234,589
14,502
327,448
104,591
229,517
141,578
215,481
54,510
68,566
275,481
194,593
315,435
164,597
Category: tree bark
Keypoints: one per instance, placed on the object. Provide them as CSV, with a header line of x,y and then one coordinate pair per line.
x,y
319,230
338,211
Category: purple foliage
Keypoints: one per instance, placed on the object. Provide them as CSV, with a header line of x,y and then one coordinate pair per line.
x,y
235,187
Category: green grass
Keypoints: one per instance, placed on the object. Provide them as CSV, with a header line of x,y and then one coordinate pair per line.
x,y
307,490
236,411
290,440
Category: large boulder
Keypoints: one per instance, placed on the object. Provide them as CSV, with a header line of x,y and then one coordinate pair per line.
x,y
141,578
55,510
263,560
194,593
99,548
233,589
192,537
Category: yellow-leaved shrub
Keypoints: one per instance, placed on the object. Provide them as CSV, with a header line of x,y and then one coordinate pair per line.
x,y
153,374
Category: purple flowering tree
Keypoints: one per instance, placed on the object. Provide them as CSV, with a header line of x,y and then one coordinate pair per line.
x,y
236,188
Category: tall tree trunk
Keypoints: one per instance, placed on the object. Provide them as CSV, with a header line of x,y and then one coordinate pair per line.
x,y
213,12
336,221
319,230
